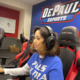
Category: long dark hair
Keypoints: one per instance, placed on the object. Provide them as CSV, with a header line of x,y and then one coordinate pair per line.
x,y
45,34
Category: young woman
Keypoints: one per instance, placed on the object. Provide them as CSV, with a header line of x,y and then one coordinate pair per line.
x,y
44,64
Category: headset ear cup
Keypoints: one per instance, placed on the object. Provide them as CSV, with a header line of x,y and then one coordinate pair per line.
x,y
50,42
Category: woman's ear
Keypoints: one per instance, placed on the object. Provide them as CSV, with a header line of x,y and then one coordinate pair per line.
x,y
44,42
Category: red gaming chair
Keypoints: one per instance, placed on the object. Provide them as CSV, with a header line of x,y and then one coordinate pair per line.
x,y
17,58
22,58
24,46
70,52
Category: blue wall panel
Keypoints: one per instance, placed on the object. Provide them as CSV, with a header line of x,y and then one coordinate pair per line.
x,y
57,27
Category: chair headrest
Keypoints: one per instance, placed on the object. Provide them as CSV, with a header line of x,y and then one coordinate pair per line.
x,y
1,33
31,38
69,33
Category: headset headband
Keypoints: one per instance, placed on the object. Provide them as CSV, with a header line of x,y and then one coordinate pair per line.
x,y
49,29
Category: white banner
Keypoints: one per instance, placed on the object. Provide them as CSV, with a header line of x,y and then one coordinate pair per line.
x,y
8,24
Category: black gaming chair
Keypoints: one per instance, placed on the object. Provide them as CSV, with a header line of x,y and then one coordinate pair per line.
x,y
56,34
70,52
2,35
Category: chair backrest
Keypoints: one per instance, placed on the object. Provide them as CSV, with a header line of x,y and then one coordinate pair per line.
x,y
24,55
1,35
68,52
18,56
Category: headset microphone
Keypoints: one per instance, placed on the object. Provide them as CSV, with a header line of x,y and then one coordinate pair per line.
x,y
34,50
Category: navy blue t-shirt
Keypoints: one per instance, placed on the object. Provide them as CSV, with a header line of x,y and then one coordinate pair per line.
x,y
48,68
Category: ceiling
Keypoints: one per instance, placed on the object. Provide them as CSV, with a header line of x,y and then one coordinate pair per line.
x,y
31,2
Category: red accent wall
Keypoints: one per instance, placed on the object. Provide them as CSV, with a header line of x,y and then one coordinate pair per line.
x,y
12,14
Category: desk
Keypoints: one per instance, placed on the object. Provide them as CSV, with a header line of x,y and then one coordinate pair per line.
x,y
5,77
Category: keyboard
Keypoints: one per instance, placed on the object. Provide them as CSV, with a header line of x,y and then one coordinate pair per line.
x,y
5,77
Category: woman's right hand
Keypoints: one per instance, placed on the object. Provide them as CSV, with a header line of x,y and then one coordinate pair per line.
x,y
1,70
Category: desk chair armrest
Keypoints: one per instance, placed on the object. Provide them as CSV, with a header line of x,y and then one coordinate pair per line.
x,y
8,66
20,77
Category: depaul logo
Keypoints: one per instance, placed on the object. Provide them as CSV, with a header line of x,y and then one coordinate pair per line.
x,y
60,12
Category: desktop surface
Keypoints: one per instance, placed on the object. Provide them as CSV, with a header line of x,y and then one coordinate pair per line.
x,y
5,77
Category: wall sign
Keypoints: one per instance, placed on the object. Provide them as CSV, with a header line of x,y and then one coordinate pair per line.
x,y
60,12
8,24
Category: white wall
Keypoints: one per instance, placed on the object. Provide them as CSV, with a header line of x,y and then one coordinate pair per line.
x,y
25,15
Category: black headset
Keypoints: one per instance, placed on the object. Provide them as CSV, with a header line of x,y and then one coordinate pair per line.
x,y
50,42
